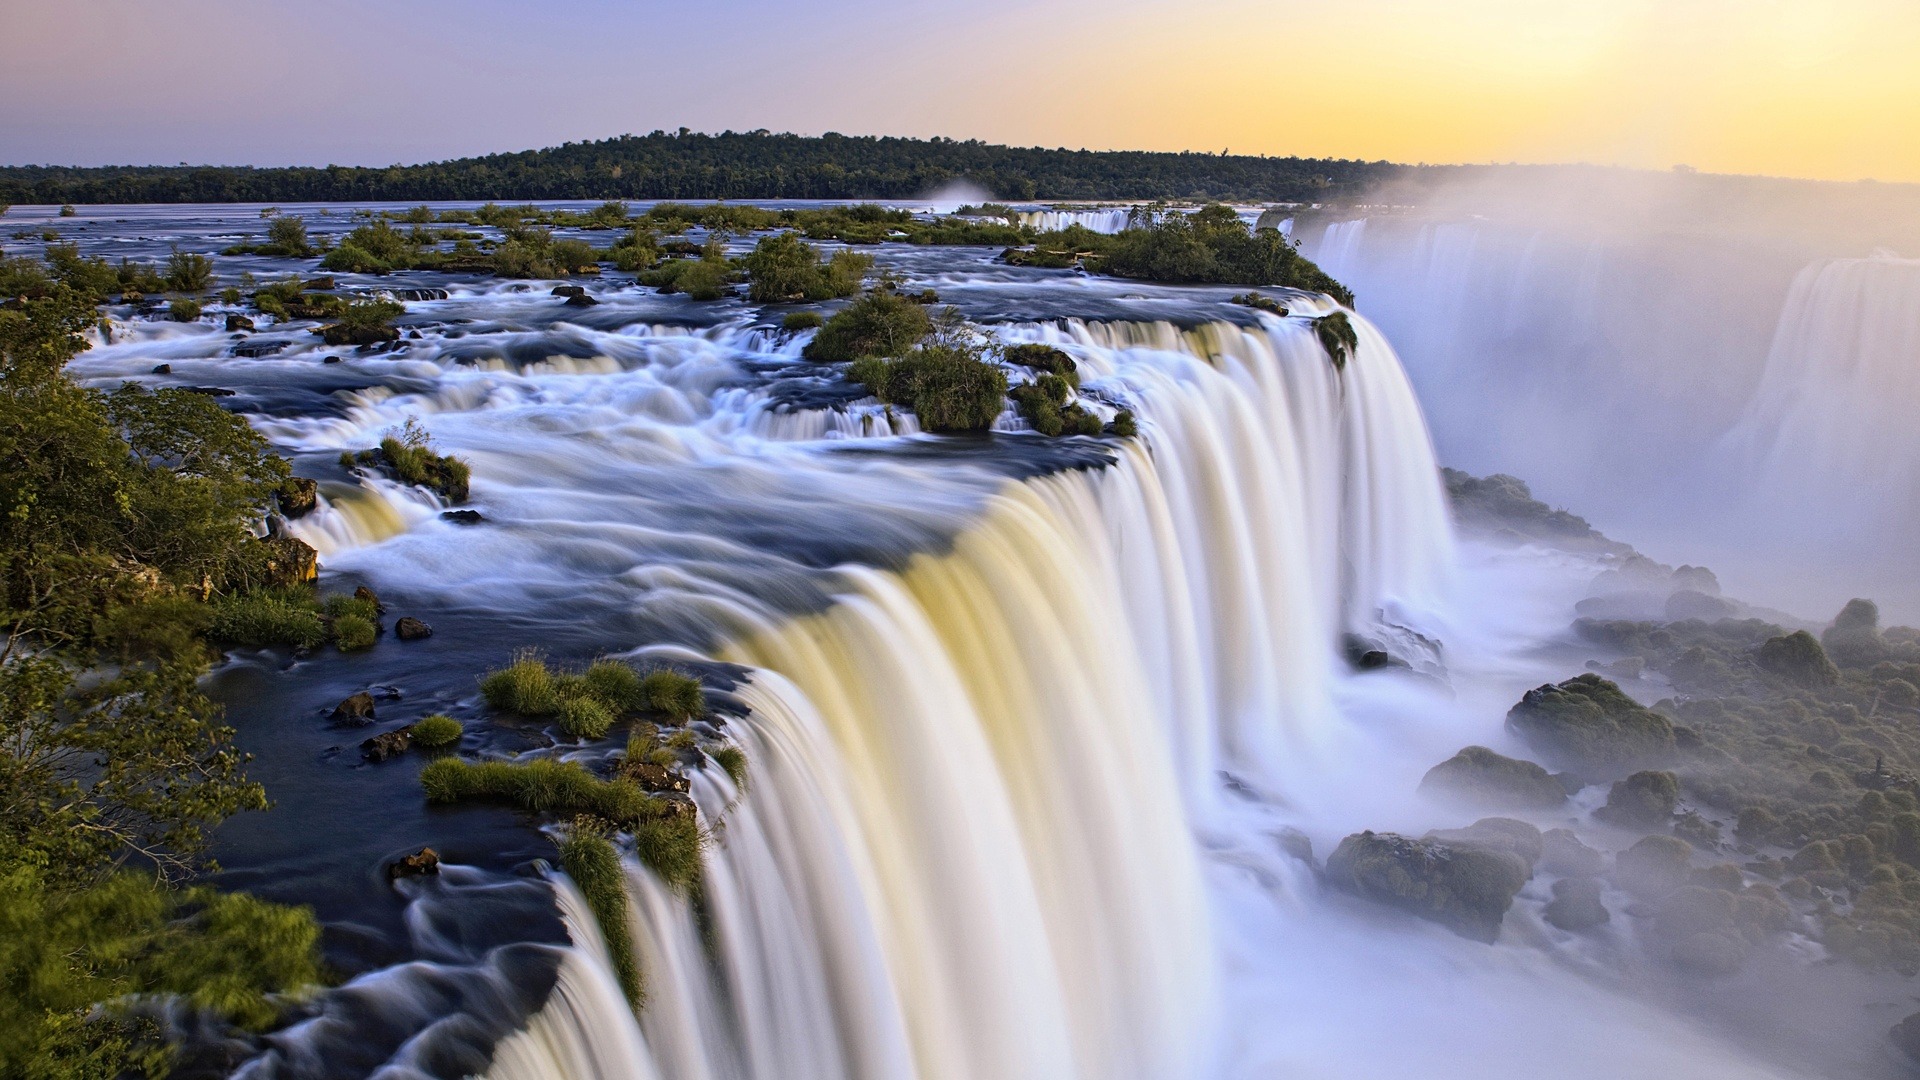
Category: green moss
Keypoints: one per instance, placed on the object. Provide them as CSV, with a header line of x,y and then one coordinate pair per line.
x,y
353,633
878,323
435,731
593,864
1486,778
1592,725
1338,337
1797,658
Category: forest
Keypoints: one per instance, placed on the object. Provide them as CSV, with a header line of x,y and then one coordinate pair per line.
x,y
729,165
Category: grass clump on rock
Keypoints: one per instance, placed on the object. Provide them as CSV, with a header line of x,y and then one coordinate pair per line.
x,y
1593,725
594,865
363,322
1043,403
407,455
879,323
948,386
588,704
1338,337
436,731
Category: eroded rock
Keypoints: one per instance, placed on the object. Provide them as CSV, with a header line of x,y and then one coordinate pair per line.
x,y
1467,889
1485,778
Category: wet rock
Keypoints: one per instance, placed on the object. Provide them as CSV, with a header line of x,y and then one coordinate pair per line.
x,y
1906,1036
1561,852
567,291
289,561
581,300
1296,844
462,517
1696,578
1496,834
1645,800
1593,726
368,596
410,295
1483,777
1693,910
163,369
654,778
1704,835
676,805
1467,889
237,323
1576,905
340,334
1725,877
412,629
386,745
253,350
320,284
1654,867
356,710
210,391
297,496
1712,954
1797,658
1690,604
420,863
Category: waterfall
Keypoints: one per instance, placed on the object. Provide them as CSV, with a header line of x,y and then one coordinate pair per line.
x,y
1106,220
980,787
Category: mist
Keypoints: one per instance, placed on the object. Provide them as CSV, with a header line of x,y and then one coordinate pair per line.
x,y
1714,369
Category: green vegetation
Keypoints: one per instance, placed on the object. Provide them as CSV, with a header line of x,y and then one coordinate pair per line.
x,y
1043,403
436,731
363,322
1504,504
786,269
188,272
803,320
639,249
1123,425
733,761
880,323
184,310
948,385
292,616
67,210
672,694
1493,781
1592,725
1210,245
587,705
705,278
1261,303
730,165
1044,360
593,864
352,633
120,515
1338,337
407,455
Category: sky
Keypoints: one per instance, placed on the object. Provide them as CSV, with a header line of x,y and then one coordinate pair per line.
x,y
1827,90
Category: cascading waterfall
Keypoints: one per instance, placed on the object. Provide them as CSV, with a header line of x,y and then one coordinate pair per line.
x,y
1106,220
969,843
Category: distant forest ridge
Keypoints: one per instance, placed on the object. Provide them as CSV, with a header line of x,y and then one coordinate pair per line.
x,y
750,165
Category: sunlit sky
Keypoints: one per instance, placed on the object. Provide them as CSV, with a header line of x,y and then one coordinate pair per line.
x,y
1782,87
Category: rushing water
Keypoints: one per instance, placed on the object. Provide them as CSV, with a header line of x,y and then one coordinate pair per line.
x,y
1024,717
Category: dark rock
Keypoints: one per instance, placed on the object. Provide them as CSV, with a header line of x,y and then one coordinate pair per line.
x,y
1906,1036
654,778
255,349
1711,954
297,496
411,629
675,805
568,291
238,322
1591,724
1654,867
339,334
210,391
422,862
320,284
387,744
366,595
1576,905
462,517
1480,776
1296,844
356,710
163,369
1690,604
1561,852
1645,800
1467,889
1797,658
410,295
1496,834
289,561
581,300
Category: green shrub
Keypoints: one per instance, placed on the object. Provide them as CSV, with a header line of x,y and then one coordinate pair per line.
x,y
616,685
287,237
733,761
1044,359
266,618
637,250
408,456
1043,403
879,323
673,694
67,210
374,248
184,310
593,864
352,633
525,686
584,716
1338,337
436,731
802,320
949,387
784,269
1123,425
341,605
703,279
188,272
1261,303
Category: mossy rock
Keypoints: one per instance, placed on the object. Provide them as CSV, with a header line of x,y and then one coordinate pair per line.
x,y
1561,852
1798,658
1576,905
1467,889
1654,867
1482,777
1496,834
1645,800
1593,725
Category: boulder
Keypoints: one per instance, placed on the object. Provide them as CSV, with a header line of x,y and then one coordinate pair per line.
x,y
1296,844
163,369
1645,800
675,805
1561,852
1591,724
462,517
320,284
411,629
1691,910
387,744
420,863
366,595
297,496
1725,877
1496,834
356,710
655,778
1798,659
567,291
288,562
341,334
1467,889
419,294
581,299
236,323
1654,867
1576,905
1483,777
1704,835
1906,1036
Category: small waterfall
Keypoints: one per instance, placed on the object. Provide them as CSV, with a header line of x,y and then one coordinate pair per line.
x,y
1107,220
1832,423
968,847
